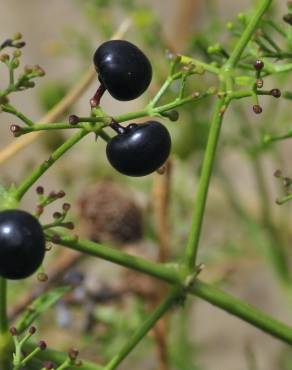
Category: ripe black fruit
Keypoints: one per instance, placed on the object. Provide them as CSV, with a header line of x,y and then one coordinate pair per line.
x,y
123,69
140,149
22,244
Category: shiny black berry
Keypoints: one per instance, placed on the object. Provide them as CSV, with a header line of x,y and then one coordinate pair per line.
x,y
22,244
123,69
138,150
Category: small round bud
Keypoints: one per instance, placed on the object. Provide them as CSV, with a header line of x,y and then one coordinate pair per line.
x,y
32,330
17,53
288,18
17,36
15,63
66,207
73,119
258,65
229,26
42,345
259,83
61,194
13,331
15,129
276,93
257,109
4,58
287,181
40,190
73,354
57,215
49,365
42,277
278,173
20,44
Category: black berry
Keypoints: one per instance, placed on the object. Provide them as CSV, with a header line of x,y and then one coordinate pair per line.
x,y
22,244
123,69
140,149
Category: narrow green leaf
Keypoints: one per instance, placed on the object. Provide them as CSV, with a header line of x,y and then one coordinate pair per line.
x,y
40,305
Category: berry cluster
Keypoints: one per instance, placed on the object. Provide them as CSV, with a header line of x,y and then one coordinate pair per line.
x,y
125,72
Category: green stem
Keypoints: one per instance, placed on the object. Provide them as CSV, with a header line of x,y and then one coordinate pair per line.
x,y
144,329
59,357
3,306
5,338
8,108
48,127
38,172
169,273
201,197
247,34
284,199
207,67
242,310
269,138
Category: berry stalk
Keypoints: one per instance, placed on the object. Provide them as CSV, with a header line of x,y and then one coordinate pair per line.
x,y
40,170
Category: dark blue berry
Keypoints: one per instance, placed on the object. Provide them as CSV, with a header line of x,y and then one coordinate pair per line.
x,y
22,244
123,69
139,149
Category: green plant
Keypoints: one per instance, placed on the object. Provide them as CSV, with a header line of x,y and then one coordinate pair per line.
x,y
239,74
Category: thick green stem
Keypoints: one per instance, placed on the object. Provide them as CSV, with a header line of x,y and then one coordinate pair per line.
x,y
169,273
247,34
38,172
144,329
202,192
242,310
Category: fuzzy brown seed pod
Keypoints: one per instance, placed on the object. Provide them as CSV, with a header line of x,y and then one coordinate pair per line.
x,y
109,214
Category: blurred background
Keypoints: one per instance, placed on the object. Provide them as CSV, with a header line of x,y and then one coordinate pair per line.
x,y
246,241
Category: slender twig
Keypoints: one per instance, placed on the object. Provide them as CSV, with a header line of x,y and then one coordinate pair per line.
x,y
58,110
144,329
5,349
247,34
284,199
201,197
37,173
59,357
